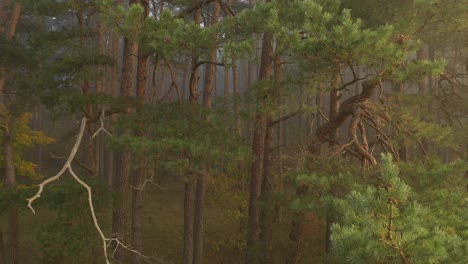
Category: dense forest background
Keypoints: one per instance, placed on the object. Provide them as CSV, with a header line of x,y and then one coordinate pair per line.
x,y
225,131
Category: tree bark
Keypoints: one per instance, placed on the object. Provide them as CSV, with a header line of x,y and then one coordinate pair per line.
x,y
348,108
123,159
90,143
258,149
199,209
8,139
423,90
9,33
90,154
121,187
10,184
267,212
235,88
191,181
138,191
2,249
210,80
334,110
13,234
189,197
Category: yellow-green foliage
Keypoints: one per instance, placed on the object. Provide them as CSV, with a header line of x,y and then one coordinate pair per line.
x,y
25,137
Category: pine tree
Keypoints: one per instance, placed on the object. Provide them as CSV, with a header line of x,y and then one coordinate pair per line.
x,y
384,223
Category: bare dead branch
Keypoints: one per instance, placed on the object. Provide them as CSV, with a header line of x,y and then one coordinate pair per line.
x,y
101,128
65,167
68,167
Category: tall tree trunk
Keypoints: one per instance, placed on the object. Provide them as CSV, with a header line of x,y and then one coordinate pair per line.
x,y
267,212
403,151
334,110
86,91
121,187
423,91
9,33
100,89
2,249
189,197
90,144
138,191
8,138
123,159
235,88
190,181
112,90
13,234
199,209
210,80
258,148
10,184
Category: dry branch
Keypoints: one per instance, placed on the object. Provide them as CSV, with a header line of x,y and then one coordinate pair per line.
x,y
68,167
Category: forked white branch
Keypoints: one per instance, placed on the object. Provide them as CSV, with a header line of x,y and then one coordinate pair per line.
x,y
101,127
68,167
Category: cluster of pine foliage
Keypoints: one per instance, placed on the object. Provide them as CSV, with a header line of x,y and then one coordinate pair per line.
x,y
224,131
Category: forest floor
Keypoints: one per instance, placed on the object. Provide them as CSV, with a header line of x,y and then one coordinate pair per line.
x,y
163,229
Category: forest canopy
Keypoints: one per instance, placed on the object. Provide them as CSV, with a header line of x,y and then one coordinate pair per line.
x,y
224,131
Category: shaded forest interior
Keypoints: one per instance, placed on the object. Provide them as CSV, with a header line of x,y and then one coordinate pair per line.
x,y
224,131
